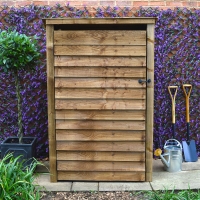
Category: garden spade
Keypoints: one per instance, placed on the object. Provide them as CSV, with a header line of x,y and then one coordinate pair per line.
x,y
173,96
189,146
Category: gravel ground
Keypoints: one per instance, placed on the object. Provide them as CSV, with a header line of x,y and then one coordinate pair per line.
x,y
93,196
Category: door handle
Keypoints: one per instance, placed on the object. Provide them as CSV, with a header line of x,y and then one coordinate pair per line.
x,y
143,81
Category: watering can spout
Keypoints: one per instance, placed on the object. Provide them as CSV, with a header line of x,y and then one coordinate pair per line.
x,y
164,160
158,153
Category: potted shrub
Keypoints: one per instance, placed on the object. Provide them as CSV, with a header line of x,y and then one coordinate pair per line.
x,y
18,53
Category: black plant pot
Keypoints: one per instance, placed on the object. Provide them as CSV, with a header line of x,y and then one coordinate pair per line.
x,y
27,149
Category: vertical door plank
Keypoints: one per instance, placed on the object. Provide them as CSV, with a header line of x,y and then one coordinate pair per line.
x,y
150,104
51,103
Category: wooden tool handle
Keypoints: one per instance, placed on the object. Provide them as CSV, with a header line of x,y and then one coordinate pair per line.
x,y
173,101
187,96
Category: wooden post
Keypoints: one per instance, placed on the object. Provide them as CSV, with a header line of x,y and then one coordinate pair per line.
x,y
150,104
51,102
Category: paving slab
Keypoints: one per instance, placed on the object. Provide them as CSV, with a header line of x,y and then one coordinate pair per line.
x,y
44,181
123,186
178,180
85,186
189,166
158,166
188,177
44,168
186,166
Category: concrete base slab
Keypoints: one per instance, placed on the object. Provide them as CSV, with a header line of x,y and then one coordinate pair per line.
x,y
189,166
178,181
44,168
123,186
85,186
186,166
189,177
158,166
44,181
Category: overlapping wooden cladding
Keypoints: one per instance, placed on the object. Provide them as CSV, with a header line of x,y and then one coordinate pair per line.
x,y
100,135
100,106
102,61
101,175
101,156
100,166
100,37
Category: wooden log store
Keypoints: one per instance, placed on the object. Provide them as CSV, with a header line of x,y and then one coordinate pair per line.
x,y
100,81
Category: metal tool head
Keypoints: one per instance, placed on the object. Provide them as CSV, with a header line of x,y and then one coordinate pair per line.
x,y
190,152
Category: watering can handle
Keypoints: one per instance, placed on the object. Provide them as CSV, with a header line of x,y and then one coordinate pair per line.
x,y
173,140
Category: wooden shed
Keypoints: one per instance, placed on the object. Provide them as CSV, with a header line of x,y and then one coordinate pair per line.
x,y
100,98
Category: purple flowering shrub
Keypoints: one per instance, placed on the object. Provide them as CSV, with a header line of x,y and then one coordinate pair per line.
x,y
177,61
33,84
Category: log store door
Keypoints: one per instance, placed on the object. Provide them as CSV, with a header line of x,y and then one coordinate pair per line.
x,y
100,106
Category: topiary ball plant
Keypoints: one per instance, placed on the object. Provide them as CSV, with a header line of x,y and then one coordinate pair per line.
x,y
18,52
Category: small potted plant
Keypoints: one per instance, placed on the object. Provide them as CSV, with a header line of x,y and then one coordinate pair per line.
x,y
18,53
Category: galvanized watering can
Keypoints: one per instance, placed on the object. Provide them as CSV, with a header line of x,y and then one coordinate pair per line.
x,y
172,157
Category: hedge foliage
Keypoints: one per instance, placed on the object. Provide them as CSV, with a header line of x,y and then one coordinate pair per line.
x,y
177,61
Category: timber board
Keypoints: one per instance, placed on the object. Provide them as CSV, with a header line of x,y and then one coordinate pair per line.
x,y
107,20
99,37
97,50
103,61
126,72
134,146
100,93
100,125
91,104
102,176
98,83
51,103
100,114
99,135
93,166
100,156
